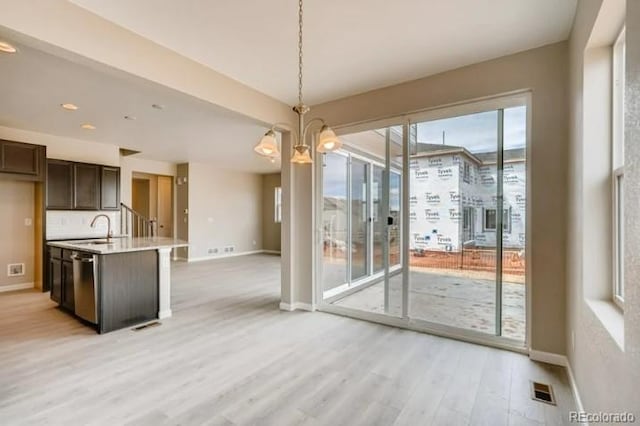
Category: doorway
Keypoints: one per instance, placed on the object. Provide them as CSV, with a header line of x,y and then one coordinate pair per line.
x,y
152,197
424,224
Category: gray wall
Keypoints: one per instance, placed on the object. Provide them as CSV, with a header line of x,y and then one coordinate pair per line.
x,y
544,71
606,374
225,209
270,229
18,204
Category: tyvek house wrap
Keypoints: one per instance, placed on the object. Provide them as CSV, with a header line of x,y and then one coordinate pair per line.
x,y
451,192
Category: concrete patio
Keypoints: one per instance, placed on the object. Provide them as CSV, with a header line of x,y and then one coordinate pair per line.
x,y
461,299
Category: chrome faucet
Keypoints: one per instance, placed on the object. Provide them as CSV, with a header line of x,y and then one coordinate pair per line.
x,y
109,231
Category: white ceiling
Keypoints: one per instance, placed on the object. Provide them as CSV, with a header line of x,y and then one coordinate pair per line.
x,y
35,83
350,46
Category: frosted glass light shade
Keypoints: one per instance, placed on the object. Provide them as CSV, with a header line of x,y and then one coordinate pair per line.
x,y
328,141
301,155
268,145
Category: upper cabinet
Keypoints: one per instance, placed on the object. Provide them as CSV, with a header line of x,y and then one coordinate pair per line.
x,y
86,186
110,188
22,161
81,186
59,185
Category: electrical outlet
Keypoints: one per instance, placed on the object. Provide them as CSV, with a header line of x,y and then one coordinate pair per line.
x,y
213,251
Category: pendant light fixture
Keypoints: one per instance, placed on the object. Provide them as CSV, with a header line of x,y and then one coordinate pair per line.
x,y
327,140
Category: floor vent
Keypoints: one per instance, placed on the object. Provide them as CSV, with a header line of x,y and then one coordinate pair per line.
x,y
543,393
147,325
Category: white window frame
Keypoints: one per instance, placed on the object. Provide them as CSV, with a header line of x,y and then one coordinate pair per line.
x,y
466,172
506,220
277,204
618,237
617,168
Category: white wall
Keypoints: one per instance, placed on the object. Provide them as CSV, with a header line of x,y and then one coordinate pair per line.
x,y
18,243
607,374
225,209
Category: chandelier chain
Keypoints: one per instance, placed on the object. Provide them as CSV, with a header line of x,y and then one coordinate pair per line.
x,y
300,52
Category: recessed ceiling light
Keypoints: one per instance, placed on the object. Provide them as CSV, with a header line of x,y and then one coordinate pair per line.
x,y
69,107
129,117
88,126
7,48
157,106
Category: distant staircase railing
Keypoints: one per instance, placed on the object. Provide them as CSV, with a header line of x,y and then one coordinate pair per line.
x,y
135,224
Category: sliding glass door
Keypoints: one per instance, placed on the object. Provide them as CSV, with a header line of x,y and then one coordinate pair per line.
x,y
335,221
426,222
467,193
359,226
363,184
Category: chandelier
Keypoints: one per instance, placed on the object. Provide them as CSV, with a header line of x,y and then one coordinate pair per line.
x,y
327,140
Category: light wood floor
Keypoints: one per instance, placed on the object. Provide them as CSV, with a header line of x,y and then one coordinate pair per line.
x,y
228,356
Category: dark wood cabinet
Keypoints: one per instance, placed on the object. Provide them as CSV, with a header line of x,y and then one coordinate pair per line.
x,y
59,185
22,161
128,289
67,285
81,186
61,277
86,186
110,188
20,158
55,279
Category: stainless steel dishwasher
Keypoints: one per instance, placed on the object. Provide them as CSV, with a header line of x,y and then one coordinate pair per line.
x,y
85,286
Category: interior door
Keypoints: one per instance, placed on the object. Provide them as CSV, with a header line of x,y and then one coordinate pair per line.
x,y
165,206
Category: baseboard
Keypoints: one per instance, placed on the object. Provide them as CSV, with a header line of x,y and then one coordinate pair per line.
x,y
14,287
296,306
271,252
574,388
223,256
164,314
562,361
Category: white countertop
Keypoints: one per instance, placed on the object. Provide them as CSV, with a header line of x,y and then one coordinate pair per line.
x,y
119,245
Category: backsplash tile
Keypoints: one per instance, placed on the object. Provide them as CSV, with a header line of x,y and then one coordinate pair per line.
x,y
65,224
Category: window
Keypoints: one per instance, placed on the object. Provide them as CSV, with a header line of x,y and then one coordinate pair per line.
x,y
278,204
468,221
491,221
617,167
466,174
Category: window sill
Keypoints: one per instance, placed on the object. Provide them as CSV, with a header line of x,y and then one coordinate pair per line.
x,y
611,318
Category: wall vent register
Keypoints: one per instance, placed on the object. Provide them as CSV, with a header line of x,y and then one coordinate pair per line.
x,y
15,269
543,393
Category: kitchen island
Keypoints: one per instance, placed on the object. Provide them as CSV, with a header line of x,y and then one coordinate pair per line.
x,y
116,282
